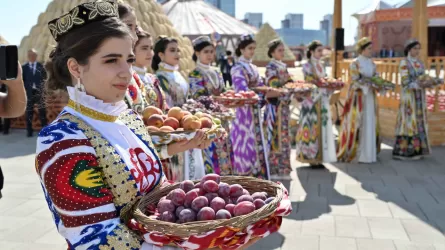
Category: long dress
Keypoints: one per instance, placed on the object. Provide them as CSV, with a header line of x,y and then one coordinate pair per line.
x,y
135,96
207,81
153,92
190,164
315,137
412,126
359,133
248,140
276,118
93,161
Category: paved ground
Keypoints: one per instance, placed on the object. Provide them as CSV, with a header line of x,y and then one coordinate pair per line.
x,y
385,206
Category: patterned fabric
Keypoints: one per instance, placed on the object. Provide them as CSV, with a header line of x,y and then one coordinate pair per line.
x,y
351,130
153,92
135,96
249,145
315,141
218,157
87,182
276,118
188,165
412,126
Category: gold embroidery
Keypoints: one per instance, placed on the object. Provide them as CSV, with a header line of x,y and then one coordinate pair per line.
x,y
124,239
115,173
65,23
101,8
91,112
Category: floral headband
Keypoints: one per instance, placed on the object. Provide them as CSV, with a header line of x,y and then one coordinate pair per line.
x,y
82,14
200,40
247,37
274,42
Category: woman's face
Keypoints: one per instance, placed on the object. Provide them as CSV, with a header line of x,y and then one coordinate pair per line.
x,y
278,53
318,52
249,51
144,52
414,52
206,55
171,55
108,72
367,51
130,21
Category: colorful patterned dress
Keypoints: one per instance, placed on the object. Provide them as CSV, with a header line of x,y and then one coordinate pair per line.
x,y
359,133
248,141
412,126
134,98
207,81
276,118
153,92
315,137
93,161
188,165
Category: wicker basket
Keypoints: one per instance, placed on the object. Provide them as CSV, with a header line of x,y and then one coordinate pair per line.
x,y
196,228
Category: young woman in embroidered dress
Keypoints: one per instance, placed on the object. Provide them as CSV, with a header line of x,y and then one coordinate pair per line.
x,y
277,115
207,81
412,127
96,158
190,165
248,140
359,132
315,137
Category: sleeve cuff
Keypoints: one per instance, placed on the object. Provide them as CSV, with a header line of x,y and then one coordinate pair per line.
x,y
164,152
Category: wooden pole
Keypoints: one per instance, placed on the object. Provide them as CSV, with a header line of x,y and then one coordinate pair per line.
x,y
423,30
336,23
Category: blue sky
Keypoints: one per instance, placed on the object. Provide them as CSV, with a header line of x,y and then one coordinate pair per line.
x,y
18,16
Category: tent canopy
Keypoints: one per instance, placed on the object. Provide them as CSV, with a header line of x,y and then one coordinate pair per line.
x,y
376,5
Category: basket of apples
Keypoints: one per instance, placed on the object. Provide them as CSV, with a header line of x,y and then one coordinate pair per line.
x,y
178,125
206,104
330,83
426,81
231,99
215,212
298,86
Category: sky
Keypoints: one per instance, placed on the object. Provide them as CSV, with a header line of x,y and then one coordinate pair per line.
x,y
16,20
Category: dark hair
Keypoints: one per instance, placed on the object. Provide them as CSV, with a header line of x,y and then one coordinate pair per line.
x,y
80,44
243,45
160,47
141,35
273,48
312,47
410,46
200,47
228,53
124,9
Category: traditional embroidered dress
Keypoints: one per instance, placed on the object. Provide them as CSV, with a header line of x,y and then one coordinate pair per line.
x,y
154,94
277,117
359,133
135,96
412,126
207,81
248,141
93,161
315,138
189,165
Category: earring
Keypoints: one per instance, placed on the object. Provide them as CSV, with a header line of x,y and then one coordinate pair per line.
x,y
79,85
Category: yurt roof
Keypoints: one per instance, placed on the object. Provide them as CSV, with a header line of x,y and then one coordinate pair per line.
x,y
149,14
262,38
430,3
196,17
3,40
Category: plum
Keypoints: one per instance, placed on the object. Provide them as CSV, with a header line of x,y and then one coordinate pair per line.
x,y
211,196
178,210
166,206
223,214
244,197
245,192
259,195
224,190
177,196
199,203
214,177
187,185
190,196
230,207
206,213
187,215
236,190
168,217
259,203
210,186
217,204
243,208
268,200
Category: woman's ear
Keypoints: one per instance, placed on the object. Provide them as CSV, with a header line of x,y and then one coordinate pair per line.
x,y
73,67
161,55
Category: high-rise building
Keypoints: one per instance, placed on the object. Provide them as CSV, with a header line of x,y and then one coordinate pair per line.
x,y
254,19
326,25
161,1
292,21
228,6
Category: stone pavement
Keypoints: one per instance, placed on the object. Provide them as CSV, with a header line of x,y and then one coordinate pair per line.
x,y
390,205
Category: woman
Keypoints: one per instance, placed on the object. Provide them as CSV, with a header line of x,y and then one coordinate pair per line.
x,y
189,165
412,126
248,142
359,132
94,159
143,51
315,138
277,113
207,81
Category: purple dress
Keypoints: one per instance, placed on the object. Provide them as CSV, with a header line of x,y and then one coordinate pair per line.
x,y
248,142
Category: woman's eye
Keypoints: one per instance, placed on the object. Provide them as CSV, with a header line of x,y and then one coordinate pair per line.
x,y
111,61
131,60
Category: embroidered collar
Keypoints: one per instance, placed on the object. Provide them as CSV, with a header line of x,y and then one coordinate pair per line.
x,y
140,71
279,63
412,59
202,66
94,108
167,67
243,59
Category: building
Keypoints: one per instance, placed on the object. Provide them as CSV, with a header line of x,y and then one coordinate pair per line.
x,y
254,19
228,6
292,21
326,25
300,37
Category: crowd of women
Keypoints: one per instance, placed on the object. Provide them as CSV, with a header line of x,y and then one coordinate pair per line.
x,y
97,158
